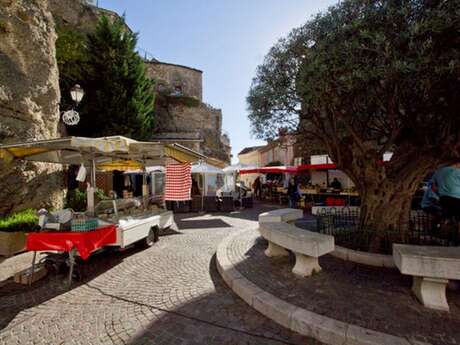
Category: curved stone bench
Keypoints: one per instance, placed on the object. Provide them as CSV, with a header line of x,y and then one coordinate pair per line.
x,y
307,246
297,319
431,268
281,215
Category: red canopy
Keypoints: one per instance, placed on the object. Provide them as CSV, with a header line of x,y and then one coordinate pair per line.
x,y
267,170
325,166
291,170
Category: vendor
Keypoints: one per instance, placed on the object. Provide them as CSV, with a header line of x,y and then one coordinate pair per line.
x,y
336,185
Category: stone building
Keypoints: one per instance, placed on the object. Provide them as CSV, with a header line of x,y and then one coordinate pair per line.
x,y
181,113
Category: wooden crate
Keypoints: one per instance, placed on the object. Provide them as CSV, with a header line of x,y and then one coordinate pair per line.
x,y
12,243
23,277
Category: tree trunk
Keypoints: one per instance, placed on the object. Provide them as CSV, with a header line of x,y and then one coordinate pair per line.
x,y
385,213
386,202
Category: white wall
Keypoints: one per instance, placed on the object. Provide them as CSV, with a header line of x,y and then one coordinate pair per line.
x,y
319,178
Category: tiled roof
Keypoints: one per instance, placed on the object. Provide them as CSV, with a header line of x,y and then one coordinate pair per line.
x,y
250,149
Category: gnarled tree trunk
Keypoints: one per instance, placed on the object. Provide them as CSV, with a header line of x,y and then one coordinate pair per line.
x,y
386,191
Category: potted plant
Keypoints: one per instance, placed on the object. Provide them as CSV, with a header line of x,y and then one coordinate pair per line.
x,y
13,229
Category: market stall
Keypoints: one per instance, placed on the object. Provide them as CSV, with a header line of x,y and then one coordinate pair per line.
x,y
320,193
235,186
112,222
209,180
274,187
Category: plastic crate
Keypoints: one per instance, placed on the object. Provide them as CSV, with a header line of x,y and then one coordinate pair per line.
x,y
83,225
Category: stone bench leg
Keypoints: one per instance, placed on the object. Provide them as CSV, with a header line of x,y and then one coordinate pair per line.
x,y
305,265
275,250
431,292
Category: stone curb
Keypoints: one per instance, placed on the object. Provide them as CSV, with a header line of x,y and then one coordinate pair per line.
x,y
370,259
302,321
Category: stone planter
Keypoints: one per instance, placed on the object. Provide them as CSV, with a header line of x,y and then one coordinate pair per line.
x,y
12,242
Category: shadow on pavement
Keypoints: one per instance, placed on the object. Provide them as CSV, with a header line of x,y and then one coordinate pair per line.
x,y
15,298
201,224
218,317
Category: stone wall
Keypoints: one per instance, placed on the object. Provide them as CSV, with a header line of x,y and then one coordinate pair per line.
x,y
188,80
202,121
186,120
29,101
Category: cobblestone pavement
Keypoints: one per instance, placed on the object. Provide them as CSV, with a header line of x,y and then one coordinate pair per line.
x,y
170,293
375,298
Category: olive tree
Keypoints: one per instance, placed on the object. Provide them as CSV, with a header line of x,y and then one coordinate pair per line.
x,y
364,78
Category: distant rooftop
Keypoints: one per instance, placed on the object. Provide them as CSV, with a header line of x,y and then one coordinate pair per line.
x,y
250,149
157,62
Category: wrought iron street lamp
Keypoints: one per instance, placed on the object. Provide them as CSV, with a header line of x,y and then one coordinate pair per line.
x,y
77,93
71,117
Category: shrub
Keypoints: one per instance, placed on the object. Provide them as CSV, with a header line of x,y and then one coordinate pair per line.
x,y
25,220
76,200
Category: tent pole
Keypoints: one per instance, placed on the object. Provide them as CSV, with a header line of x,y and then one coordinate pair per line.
x,y
91,188
203,192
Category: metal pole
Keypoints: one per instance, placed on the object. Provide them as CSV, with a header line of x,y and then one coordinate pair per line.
x,y
203,192
93,173
71,264
91,189
33,268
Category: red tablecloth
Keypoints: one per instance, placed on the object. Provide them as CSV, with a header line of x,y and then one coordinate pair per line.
x,y
84,242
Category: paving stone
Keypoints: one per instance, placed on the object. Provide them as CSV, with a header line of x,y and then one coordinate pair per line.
x,y
170,293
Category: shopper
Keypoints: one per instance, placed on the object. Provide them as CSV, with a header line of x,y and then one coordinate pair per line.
x,y
430,201
293,193
447,182
256,186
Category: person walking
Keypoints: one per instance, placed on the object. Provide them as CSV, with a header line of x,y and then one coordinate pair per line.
x,y
293,193
256,186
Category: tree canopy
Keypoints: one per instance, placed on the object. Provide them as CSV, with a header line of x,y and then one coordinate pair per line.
x,y
119,97
367,77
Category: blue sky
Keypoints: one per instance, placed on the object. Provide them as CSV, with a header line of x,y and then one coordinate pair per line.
x,y
226,39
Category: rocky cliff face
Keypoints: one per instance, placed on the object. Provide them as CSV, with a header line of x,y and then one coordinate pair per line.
x,y
29,101
78,14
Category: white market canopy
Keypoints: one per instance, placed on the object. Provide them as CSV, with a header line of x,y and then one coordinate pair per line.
x,y
108,153
204,168
237,167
